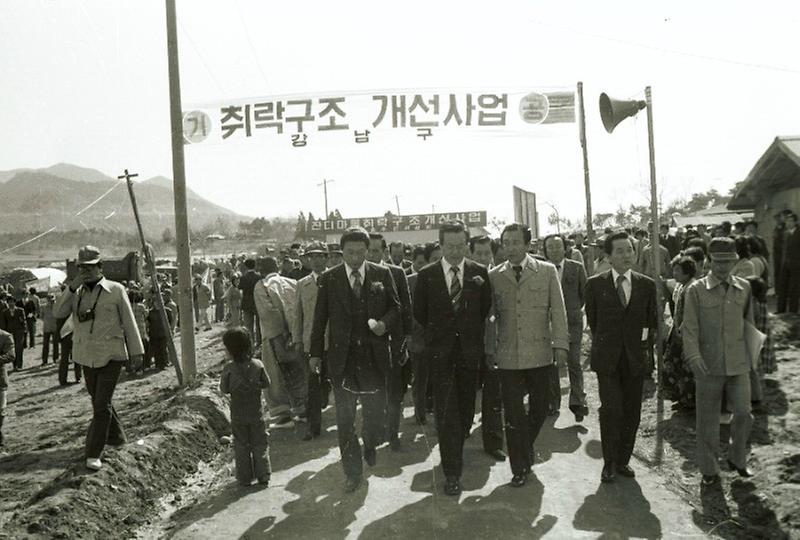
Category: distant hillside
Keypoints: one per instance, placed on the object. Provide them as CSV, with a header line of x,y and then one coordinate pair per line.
x,y
35,199
62,170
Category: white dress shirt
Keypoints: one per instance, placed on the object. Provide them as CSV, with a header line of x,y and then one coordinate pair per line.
x,y
626,285
448,274
362,271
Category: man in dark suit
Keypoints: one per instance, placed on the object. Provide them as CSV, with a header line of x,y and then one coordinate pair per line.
x,y
789,290
357,301
622,314
247,284
481,249
572,277
399,374
451,301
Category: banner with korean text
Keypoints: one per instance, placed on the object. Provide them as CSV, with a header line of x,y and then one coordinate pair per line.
x,y
378,117
394,223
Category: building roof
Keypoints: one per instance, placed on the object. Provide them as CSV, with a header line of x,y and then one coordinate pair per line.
x,y
777,169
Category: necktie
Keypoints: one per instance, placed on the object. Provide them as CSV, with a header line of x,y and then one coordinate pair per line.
x,y
455,286
356,283
319,281
518,272
620,290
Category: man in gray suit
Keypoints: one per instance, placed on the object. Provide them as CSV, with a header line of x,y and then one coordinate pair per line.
x,y
572,277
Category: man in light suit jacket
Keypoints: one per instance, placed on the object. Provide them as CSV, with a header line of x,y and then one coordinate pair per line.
x,y
622,314
319,386
531,329
451,301
357,301
572,277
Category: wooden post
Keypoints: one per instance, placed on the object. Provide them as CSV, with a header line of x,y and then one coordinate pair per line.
x,y
588,261
655,243
182,245
149,258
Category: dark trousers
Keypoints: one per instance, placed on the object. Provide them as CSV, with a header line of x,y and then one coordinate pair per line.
x,y
491,410
553,387
319,386
64,360
789,290
522,427
373,411
251,451
19,349
105,426
620,411
396,386
46,338
454,407
420,383
31,324
157,351
219,310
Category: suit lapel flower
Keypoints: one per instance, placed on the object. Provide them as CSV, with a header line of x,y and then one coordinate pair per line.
x,y
376,288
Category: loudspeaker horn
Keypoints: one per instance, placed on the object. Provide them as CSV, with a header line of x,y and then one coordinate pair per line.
x,y
613,111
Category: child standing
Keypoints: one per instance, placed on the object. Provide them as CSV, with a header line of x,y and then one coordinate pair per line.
x,y
244,379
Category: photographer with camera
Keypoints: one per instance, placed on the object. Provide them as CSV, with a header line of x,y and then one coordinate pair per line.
x,y
105,335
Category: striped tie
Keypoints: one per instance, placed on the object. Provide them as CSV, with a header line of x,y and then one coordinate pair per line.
x,y
455,287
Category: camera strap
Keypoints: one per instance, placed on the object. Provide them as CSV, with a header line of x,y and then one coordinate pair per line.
x,y
94,305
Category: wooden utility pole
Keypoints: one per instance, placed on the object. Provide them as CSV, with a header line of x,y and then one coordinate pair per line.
x,y
655,241
324,185
397,202
185,305
149,258
588,261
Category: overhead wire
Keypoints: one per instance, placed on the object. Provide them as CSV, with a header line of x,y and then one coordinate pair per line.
x,y
753,65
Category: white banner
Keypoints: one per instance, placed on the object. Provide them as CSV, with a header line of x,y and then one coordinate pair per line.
x,y
364,118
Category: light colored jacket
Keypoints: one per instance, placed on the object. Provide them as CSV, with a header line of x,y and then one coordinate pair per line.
x,y
713,324
274,297
203,296
530,315
111,335
305,303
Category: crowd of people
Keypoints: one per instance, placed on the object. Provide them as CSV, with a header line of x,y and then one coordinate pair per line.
x,y
367,320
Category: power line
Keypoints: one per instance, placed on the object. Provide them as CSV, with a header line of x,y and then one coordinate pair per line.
x,y
671,51
250,43
200,57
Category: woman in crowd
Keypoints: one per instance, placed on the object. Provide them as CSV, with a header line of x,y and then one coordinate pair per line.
x,y
678,382
766,360
760,266
744,267
233,299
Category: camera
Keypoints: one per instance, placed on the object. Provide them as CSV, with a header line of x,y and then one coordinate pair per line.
x,y
87,315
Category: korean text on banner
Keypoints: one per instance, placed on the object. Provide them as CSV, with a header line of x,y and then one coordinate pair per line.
x,y
361,118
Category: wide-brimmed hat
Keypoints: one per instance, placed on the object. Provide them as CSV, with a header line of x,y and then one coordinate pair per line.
x,y
722,248
88,255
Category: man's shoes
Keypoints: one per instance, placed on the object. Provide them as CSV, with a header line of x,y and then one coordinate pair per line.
x,y
282,423
452,486
94,464
625,470
608,473
264,481
370,456
497,454
744,473
394,444
352,483
709,479
518,480
308,436
580,412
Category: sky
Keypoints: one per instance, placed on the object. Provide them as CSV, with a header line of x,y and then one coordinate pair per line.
x,y
86,83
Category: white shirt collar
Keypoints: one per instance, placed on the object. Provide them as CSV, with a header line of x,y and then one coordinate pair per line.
x,y
615,275
446,265
361,270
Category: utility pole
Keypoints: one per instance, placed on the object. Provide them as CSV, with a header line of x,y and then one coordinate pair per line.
x,y
185,307
397,202
324,185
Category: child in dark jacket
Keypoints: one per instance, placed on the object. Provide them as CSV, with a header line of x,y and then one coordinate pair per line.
x,y
244,379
